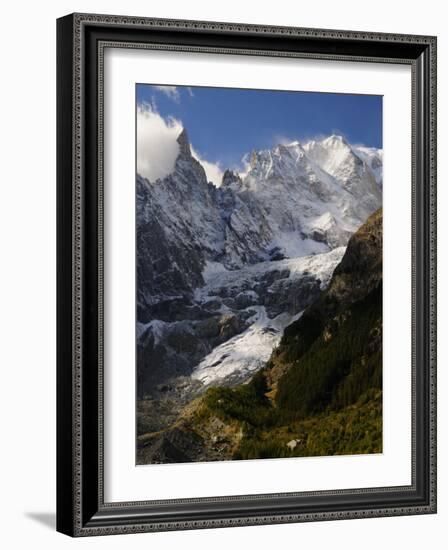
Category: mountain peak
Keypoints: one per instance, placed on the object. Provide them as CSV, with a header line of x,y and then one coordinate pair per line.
x,y
184,144
336,138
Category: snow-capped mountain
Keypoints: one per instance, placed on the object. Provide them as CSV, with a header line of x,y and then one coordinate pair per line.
x,y
216,262
314,196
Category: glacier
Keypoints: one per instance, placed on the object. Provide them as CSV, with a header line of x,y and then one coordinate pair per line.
x,y
237,358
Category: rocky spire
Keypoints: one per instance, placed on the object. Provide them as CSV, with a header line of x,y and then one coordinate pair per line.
x,y
184,144
253,158
230,177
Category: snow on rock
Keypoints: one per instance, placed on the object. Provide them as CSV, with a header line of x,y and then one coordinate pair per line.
x,y
321,266
211,269
374,159
155,327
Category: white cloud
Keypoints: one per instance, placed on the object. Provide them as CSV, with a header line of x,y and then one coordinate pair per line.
x,y
244,166
170,91
213,171
157,148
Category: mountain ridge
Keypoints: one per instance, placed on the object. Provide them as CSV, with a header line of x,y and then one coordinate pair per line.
x,y
284,206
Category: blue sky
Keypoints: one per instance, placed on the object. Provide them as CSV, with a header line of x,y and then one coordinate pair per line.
x,y
225,123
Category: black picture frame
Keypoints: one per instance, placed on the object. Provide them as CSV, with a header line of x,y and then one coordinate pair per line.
x,y
81,510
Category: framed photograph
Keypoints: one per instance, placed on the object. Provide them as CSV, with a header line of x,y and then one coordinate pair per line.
x,y
246,274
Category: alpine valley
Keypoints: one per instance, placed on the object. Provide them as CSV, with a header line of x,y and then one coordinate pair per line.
x,y
259,306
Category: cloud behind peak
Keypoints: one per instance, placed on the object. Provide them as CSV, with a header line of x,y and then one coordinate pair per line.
x,y
158,146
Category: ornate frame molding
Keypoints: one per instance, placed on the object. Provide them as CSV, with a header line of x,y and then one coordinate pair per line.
x,y
81,42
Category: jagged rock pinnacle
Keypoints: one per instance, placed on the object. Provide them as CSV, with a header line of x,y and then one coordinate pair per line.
x,y
184,144
230,177
253,158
